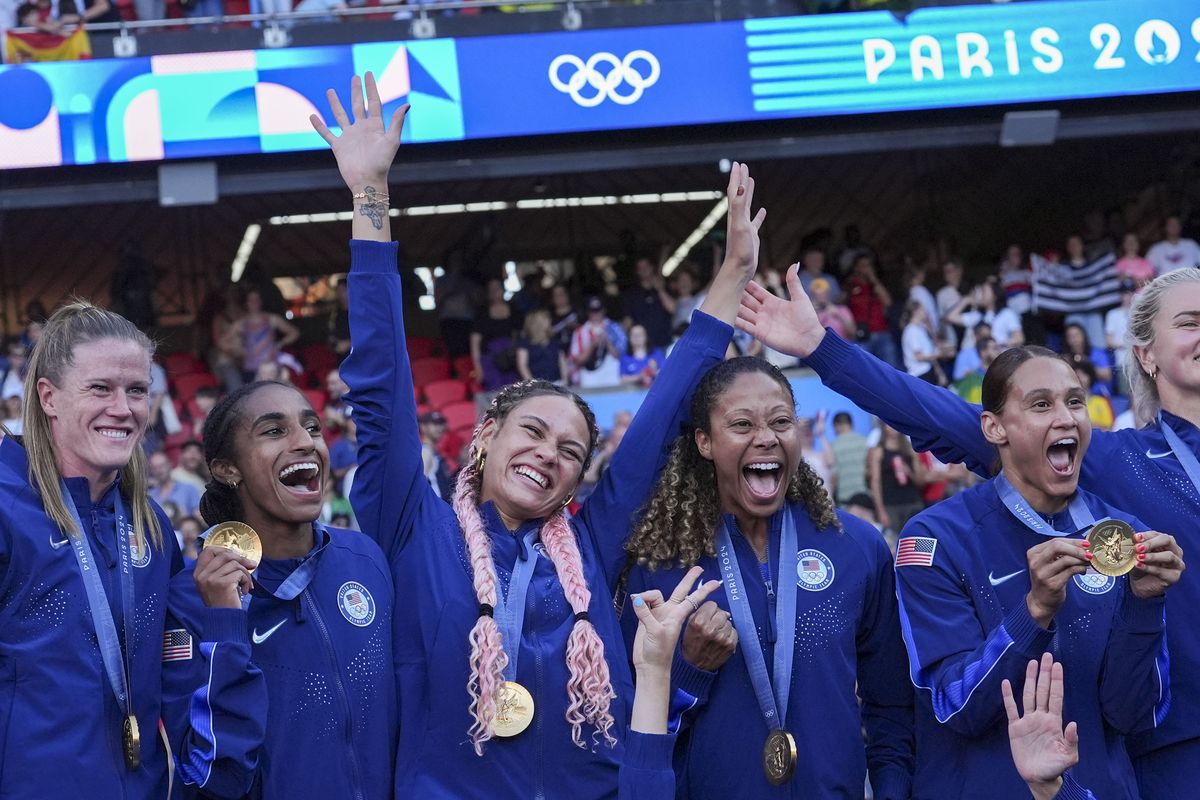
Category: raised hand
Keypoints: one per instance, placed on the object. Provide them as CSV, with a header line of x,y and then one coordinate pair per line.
x,y
221,577
366,147
789,326
659,621
741,246
1042,750
1160,564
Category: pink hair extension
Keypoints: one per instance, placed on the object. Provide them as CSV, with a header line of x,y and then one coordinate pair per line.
x,y
589,688
488,659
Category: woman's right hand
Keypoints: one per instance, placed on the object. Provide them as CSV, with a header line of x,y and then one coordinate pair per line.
x,y
1052,564
366,147
222,578
789,326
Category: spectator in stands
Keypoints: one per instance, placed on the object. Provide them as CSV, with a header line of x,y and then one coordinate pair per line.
x,y
869,301
649,304
494,340
224,353
163,421
432,427
917,290
200,407
320,5
165,489
529,297
564,319
259,336
14,371
150,9
13,420
812,267
849,449
1092,321
604,453
822,461
1131,265
1016,281
539,354
852,247
192,467
862,506
688,297
918,346
833,316
1077,348
343,456
339,317
1173,252
968,360
1100,409
896,478
336,408
947,298
596,348
970,386
457,296
1115,323
204,8
35,321
640,363
984,304
285,368
188,535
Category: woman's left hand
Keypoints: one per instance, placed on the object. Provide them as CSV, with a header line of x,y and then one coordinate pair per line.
x,y
1160,564
659,621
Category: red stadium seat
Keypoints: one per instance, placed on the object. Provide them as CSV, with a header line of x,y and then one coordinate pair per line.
x,y
318,359
428,370
419,347
177,364
316,397
186,386
439,394
460,415
463,366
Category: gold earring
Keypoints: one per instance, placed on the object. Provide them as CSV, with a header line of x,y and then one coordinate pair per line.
x,y
567,500
1154,374
233,485
480,460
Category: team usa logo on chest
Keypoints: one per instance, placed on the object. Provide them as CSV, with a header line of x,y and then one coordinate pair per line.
x,y
139,549
1093,582
356,604
814,570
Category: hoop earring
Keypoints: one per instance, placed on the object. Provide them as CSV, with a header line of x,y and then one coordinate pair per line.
x,y
1154,374
567,501
233,485
480,460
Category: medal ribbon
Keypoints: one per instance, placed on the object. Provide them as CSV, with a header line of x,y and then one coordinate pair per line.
x,y
772,701
1081,516
510,607
1187,459
102,619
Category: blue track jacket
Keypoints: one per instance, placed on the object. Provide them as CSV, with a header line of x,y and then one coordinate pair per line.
x,y
287,699
423,542
847,642
60,726
646,772
967,627
1133,470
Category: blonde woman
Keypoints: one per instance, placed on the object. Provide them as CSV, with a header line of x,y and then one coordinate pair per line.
x,y
539,356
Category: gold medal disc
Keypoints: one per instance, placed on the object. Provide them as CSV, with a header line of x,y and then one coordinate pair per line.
x,y
779,757
514,711
238,537
1114,551
132,743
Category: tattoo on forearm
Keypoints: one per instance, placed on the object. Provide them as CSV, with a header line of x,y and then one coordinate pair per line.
x,y
373,207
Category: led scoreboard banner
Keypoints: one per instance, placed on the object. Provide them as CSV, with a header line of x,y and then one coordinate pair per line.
x,y
258,101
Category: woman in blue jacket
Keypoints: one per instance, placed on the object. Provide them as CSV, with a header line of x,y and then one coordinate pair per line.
x,y
1152,472
85,559
280,685
505,596
738,499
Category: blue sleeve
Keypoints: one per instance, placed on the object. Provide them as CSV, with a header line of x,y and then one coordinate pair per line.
x,y
215,699
887,703
390,484
937,419
646,772
955,662
1071,790
608,514
1135,692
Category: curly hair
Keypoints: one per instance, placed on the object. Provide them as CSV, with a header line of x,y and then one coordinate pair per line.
x,y
589,687
678,523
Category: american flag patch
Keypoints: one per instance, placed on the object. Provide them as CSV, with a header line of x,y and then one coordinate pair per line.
x,y
915,551
177,645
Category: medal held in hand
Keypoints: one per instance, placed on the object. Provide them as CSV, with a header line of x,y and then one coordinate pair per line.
x,y
779,757
1114,551
238,537
514,711
132,743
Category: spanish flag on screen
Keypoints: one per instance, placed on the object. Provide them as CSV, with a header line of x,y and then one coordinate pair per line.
x,y
23,47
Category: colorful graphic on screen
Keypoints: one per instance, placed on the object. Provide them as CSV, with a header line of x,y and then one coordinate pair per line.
x,y
259,101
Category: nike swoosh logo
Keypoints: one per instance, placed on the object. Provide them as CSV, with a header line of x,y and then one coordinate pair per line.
x,y
1158,455
259,638
57,545
997,581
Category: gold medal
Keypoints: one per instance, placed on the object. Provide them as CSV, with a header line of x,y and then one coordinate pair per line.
x,y
1114,551
779,757
132,743
514,711
238,537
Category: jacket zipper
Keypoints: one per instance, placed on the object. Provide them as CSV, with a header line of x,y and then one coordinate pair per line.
x,y
538,717
356,771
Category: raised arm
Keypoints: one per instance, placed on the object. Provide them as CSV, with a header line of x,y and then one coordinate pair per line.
x,y
390,484
936,419
627,483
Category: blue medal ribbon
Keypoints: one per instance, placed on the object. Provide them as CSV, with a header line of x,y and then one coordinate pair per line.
x,y
1187,459
115,661
1081,516
510,606
772,691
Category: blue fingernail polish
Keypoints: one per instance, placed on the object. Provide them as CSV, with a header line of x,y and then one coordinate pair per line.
x,y
638,601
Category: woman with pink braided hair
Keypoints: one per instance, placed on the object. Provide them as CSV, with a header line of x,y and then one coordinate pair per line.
x,y
513,678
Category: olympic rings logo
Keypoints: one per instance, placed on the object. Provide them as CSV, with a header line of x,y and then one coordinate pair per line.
x,y
605,83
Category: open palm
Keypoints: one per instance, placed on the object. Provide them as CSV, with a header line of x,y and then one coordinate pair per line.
x,y
1042,750
789,326
366,147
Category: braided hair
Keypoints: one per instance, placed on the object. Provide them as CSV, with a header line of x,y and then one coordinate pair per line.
x,y
589,688
676,527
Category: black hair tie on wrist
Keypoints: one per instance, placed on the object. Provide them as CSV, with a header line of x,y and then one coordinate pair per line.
x,y
582,616
485,610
